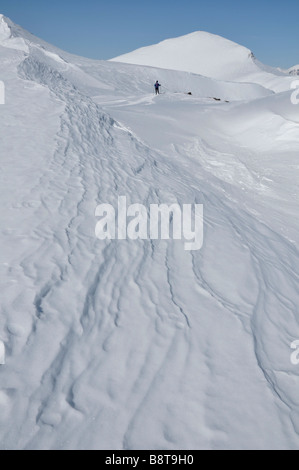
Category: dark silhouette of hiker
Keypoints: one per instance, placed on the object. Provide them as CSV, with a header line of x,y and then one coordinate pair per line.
x,y
157,85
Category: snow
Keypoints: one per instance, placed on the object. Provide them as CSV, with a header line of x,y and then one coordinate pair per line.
x,y
7,39
189,53
209,55
2,353
140,344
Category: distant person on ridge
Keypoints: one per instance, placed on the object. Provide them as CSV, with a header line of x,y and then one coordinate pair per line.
x,y
157,85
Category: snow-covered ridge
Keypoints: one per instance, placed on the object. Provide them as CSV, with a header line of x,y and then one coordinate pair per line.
x,y
14,36
9,37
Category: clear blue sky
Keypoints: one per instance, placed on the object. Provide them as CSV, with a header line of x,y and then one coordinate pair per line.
x,y
104,29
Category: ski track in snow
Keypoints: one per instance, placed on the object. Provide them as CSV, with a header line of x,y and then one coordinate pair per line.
x,y
139,344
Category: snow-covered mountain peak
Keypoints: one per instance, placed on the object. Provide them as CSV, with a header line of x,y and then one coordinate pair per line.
x,y
294,70
200,39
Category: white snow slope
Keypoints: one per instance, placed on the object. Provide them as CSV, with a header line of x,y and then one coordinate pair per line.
x,y
294,70
140,344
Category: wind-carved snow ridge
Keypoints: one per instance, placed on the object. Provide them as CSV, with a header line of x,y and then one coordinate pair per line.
x,y
276,308
92,157
7,37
